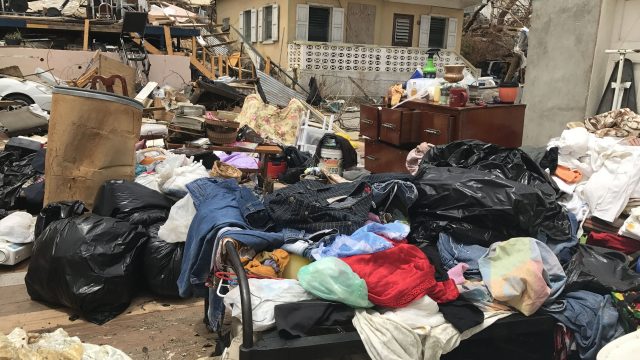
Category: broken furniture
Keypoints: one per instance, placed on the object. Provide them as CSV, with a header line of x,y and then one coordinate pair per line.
x,y
391,133
134,53
109,82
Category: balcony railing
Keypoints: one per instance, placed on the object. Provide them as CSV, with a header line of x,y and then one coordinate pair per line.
x,y
367,58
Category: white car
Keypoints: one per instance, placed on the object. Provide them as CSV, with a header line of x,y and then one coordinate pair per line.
x,y
25,91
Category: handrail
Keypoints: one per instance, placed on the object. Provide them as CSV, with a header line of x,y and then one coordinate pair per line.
x,y
245,295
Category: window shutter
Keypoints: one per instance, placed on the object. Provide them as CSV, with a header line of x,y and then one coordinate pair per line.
x,y
260,23
254,25
241,23
452,33
337,24
425,25
302,22
274,23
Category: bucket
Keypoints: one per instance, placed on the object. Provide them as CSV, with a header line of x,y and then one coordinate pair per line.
x,y
331,160
92,135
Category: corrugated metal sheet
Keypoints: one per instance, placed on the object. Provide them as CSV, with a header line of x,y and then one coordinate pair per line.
x,y
276,92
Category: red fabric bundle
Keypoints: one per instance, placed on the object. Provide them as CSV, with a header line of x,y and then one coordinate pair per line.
x,y
397,276
614,242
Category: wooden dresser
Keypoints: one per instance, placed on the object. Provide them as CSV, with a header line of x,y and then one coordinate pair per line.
x,y
391,133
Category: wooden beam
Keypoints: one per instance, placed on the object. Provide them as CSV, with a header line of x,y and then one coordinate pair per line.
x,y
220,72
150,48
267,66
85,41
167,40
194,49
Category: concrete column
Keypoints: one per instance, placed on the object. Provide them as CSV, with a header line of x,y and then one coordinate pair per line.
x,y
562,43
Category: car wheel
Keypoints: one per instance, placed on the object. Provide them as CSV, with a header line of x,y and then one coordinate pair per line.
x,y
22,99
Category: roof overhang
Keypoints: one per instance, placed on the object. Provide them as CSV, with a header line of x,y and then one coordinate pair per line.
x,y
454,4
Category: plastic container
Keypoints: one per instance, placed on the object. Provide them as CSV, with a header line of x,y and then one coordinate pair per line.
x,y
331,159
275,168
508,93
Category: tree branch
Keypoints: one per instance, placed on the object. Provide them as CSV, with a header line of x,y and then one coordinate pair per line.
x,y
473,18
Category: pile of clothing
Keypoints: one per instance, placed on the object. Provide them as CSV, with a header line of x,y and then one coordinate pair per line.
x,y
414,264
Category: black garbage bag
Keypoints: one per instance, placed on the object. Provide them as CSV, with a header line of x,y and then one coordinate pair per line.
x,y
297,162
162,261
57,211
511,164
88,263
15,171
600,270
479,207
133,202
542,211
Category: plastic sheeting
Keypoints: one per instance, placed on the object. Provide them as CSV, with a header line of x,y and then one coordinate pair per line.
x,y
476,207
132,202
600,270
162,261
14,173
88,263
57,211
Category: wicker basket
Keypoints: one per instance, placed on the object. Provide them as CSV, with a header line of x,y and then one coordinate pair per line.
x,y
226,171
221,132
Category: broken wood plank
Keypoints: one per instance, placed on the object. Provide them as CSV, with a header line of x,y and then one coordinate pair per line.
x,y
167,40
85,40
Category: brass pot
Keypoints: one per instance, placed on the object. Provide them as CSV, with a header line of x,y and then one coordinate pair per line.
x,y
453,73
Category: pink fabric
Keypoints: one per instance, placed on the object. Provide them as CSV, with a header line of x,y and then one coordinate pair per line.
x,y
415,157
456,273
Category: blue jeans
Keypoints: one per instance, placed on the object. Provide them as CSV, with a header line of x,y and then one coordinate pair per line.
x,y
452,253
592,317
219,204
216,206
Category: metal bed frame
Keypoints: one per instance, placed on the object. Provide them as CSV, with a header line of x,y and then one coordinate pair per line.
x,y
537,329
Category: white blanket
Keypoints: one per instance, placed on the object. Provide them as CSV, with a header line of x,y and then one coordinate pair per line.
x,y
388,339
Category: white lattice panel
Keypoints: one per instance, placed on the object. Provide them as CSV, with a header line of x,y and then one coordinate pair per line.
x,y
345,57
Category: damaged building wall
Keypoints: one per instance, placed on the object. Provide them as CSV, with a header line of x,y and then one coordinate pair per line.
x,y
171,70
275,49
562,44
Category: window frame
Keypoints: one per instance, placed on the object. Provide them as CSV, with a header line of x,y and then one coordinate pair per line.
x,y
267,26
246,14
444,32
329,22
411,19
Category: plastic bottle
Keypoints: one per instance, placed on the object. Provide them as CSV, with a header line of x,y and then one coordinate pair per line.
x,y
436,94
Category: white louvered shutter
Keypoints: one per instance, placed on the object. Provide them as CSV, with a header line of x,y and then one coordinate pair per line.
x,y
302,22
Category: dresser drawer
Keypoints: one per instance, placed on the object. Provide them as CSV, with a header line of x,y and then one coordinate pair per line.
x,y
370,121
380,157
397,126
434,128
